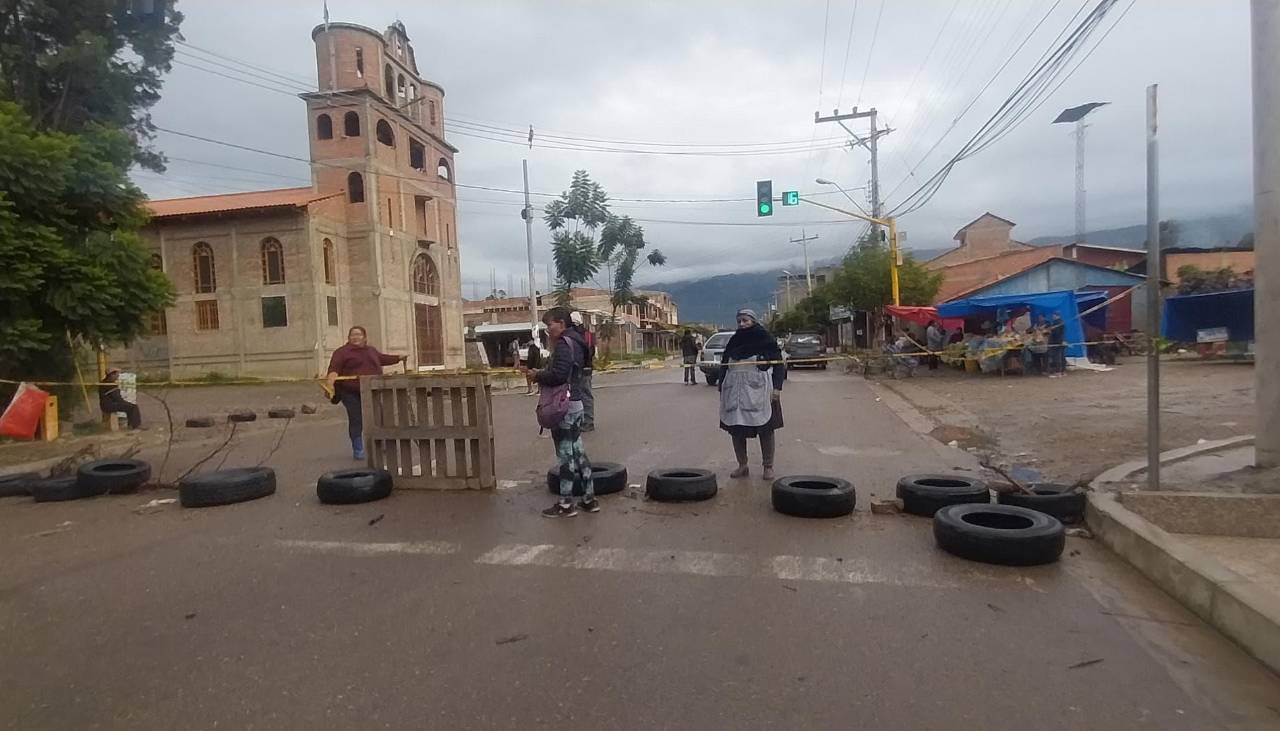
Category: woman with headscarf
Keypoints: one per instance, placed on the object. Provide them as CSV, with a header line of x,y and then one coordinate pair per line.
x,y
749,393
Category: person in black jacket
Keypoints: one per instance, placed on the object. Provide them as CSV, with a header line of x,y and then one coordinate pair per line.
x,y
689,353
568,360
750,394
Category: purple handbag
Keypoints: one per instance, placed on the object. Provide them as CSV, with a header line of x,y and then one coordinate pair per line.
x,y
553,401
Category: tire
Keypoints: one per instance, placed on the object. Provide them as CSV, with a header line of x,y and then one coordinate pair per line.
x,y
17,484
61,489
242,416
281,413
999,534
607,478
348,487
116,476
224,487
200,422
926,494
1064,502
680,484
809,496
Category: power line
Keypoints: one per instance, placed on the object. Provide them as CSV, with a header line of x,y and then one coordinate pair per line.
x,y
847,46
870,53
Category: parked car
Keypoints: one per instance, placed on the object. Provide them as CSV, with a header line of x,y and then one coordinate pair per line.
x,y
801,346
709,356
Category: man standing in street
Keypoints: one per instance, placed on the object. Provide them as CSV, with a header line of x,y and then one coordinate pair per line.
x,y
588,396
356,358
936,339
689,353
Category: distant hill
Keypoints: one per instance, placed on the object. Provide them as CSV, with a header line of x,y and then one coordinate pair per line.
x,y
1206,231
717,299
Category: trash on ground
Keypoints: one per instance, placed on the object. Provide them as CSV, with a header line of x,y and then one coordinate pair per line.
x,y
155,505
886,507
509,640
1079,533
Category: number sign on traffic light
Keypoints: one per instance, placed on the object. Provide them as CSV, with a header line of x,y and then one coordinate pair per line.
x,y
791,198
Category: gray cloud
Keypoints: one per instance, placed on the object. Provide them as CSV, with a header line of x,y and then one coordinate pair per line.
x,y
732,72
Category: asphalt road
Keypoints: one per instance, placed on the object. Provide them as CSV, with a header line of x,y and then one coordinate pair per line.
x,y
432,610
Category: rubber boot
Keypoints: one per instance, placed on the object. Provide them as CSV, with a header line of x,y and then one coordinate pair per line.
x,y
357,447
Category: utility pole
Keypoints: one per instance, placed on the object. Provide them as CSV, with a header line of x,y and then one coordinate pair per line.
x,y
1081,231
1153,291
1265,23
871,143
808,273
527,213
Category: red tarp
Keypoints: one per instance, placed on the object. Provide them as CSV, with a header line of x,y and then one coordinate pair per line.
x,y
923,315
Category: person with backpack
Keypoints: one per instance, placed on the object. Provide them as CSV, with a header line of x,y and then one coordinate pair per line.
x,y
560,409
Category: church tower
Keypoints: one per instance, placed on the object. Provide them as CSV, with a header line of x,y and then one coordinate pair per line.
x,y
378,147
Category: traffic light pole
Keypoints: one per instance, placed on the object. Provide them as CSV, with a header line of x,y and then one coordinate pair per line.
x,y
528,237
892,224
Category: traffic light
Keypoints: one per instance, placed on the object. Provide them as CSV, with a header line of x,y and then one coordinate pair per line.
x,y
791,198
764,197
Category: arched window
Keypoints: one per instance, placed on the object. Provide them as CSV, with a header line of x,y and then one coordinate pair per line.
x,y
385,135
359,63
401,90
202,264
351,124
442,169
355,188
426,280
431,111
330,264
324,127
272,261
389,78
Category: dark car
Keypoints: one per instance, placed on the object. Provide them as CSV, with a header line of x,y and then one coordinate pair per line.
x,y
803,346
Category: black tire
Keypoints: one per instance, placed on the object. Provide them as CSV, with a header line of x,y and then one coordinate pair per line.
x,y
810,496
200,422
607,478
17,484
348,487
999,534
242,416
61,489
1064,502
926,494
224,487
116,476
681,484
281,413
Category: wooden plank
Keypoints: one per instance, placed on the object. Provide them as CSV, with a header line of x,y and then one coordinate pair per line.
x,y
441,483
366,418
409,432
459,445
473,444
438,452
392,457
422,400
404,413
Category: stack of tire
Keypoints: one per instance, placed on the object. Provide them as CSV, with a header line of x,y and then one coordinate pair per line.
x,y
1020,530
100,477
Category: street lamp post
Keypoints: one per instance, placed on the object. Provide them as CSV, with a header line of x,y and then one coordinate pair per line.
x,y
891,223
788,275
1077,115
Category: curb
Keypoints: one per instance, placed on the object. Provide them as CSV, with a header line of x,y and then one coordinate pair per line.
x,y
1124,472
1226,600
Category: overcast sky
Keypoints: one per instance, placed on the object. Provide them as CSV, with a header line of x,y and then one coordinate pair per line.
x,y
735,72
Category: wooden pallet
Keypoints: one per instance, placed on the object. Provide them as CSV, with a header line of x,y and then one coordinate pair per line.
x,y
430,432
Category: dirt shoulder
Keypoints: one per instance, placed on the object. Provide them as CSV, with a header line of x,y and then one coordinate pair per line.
x,y
1075,427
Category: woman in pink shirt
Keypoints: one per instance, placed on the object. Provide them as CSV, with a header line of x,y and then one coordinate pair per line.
x,y
356,358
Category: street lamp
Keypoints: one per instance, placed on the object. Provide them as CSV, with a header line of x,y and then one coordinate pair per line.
x,y
1077,115
788,275
824,181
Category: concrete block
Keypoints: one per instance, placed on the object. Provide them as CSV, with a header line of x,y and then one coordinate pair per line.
x,y
1211,514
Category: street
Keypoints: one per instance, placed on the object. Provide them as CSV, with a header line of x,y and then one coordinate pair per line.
x,y
453,610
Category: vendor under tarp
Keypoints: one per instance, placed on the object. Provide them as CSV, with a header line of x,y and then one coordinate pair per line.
x,y
1067,303
922,316
1187,314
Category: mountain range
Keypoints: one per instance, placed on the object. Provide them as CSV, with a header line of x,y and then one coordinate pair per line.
x,y
716,299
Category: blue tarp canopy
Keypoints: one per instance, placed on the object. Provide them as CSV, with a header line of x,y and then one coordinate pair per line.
x,y
1065,302
1186,313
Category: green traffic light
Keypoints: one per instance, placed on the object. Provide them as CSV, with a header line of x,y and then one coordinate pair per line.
x,y
765,209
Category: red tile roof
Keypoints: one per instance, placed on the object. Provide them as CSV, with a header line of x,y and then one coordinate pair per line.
x,y
252,200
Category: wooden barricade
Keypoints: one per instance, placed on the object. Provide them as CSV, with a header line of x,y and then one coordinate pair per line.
x,y
430,432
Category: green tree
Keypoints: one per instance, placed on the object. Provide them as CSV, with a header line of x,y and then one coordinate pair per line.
x,y
863,281
586,205
621,242
1194,280
74,262
78,64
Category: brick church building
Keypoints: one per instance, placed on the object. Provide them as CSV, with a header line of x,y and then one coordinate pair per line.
x,y
268,281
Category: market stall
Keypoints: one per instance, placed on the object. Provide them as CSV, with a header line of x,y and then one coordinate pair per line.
x,y
1001,326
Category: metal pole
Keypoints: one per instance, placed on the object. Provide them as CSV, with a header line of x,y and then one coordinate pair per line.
x,y
893,259
1081,231
875,175
528,236
808,273
1266,217
1153,291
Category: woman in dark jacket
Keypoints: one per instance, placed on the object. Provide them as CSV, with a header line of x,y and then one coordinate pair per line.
x,y
568,361
750,394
